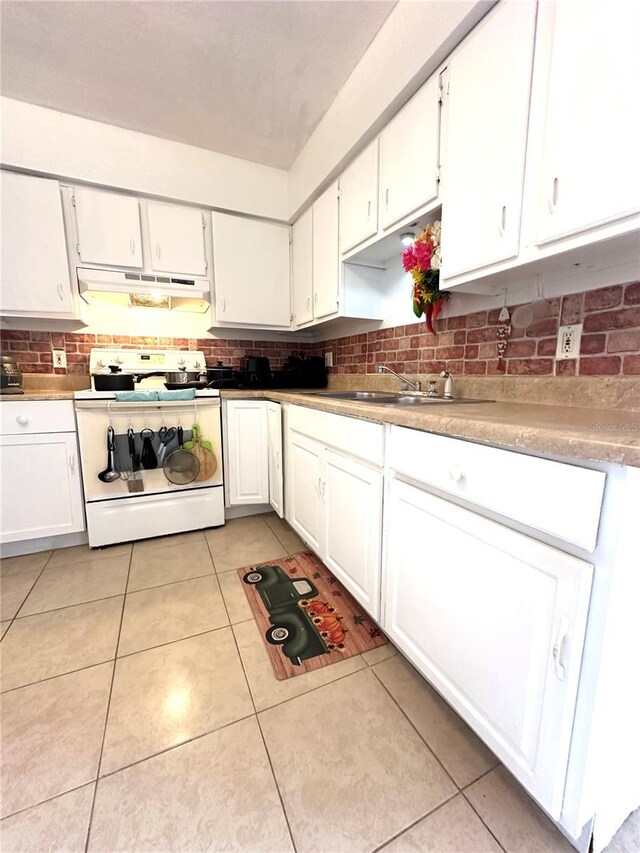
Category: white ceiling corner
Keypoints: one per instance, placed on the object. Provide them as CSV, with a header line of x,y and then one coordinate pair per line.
x,y
249,78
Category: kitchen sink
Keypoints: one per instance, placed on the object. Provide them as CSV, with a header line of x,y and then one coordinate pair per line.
x,y
388,398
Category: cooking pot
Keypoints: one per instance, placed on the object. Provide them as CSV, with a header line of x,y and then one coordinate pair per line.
x,y
183,377
115,380
219,371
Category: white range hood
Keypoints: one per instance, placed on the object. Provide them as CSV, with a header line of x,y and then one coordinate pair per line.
x,y
181,293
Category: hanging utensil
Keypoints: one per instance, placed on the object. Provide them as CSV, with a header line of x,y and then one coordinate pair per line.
x,y
110,473
181,466
166,437
134,483
148,457
204,451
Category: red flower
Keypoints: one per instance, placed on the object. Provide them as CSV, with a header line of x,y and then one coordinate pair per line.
x,y
408,259
422,252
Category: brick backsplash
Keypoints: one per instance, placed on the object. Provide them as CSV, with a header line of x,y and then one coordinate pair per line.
x,y
463,345
467,344
33,350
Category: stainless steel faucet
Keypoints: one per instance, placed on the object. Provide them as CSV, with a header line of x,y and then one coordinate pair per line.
x,y
406,383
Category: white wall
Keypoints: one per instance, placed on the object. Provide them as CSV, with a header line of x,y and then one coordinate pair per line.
x,y
414,40
40,140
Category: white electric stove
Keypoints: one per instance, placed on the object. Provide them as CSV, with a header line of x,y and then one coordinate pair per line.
x,y
115,512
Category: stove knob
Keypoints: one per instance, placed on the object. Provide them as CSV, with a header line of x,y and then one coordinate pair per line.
x,y
119,360
100,365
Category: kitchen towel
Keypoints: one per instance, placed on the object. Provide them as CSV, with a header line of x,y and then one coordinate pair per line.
x,y
136,396
182,394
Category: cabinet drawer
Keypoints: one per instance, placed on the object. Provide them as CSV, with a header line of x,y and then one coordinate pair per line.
x,y
358,438
559,499
36,416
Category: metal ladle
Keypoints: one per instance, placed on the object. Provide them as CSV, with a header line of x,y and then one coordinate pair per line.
x,y
110,474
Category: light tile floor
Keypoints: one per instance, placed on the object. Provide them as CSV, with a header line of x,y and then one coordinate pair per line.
x,y
139,712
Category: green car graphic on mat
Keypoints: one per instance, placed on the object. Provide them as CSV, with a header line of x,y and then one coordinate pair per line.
x,y
291,625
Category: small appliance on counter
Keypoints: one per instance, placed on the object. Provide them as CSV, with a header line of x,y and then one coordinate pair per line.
x,y
10,376
256,372
221,375
301,372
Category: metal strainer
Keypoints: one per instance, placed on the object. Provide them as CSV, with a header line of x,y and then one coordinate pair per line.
x,y
181,466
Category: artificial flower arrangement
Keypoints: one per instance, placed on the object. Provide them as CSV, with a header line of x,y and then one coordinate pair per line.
x,y
422,260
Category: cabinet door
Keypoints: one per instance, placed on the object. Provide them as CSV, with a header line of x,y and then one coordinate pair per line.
x,y
276,482
496,622
251,271
409,156
247,449
487,108
108,228
176,239
359,199
305,510
326,256
41,490
302,269
352,494
35,270
592,118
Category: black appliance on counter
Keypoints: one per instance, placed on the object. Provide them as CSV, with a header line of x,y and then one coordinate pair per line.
x,y
10,376
299,372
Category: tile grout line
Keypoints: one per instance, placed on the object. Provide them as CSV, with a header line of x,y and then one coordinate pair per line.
x,y
106,716
476,812
15,615
415,823
119,657
47,800
406,716
255,714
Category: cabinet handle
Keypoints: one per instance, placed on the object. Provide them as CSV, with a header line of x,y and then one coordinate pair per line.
x,y
158,250
456,473
503,220
553,198
132,246
23,420
386,197
369,209
308,302
558,649
318,489
223,304
315,298
72,463
60,293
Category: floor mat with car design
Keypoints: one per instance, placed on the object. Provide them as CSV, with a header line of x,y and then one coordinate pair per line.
x,y
307,618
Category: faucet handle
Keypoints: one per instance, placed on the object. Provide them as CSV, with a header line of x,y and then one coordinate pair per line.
x,y
417,385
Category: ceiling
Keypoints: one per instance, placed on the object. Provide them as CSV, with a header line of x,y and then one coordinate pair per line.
x,y
250,78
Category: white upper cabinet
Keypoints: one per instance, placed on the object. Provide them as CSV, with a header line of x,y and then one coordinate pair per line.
x,y
251,272
487,108
108,226
35,271
176,239
302,269
591,153
409,156
326,259
359,199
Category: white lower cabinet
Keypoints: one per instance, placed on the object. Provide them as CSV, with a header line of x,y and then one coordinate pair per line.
x,y
41,491
352,497
305,509
253,453
334,502
495,621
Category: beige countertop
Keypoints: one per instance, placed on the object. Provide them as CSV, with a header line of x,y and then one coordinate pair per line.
x,y
37,395
604,435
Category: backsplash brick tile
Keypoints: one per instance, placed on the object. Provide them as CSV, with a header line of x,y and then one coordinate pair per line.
x,y
463,344
467,344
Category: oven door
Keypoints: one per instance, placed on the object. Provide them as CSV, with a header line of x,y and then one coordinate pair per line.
x,y
94,417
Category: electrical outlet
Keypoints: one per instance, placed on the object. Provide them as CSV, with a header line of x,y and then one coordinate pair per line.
x,y
328,359
568,345
59,358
